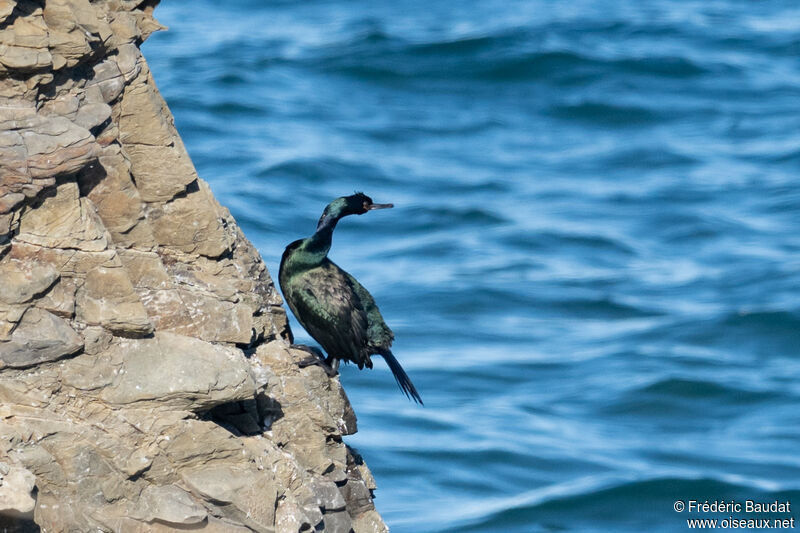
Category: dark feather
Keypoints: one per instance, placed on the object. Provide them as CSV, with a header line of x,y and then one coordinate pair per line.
x,y
401,377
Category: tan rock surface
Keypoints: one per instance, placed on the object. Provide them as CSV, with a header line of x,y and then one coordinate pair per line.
x,y
147,382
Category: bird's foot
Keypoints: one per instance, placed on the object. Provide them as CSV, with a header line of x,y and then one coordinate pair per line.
x,y
316,358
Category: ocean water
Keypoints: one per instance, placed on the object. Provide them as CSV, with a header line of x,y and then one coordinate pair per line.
x,y
593,266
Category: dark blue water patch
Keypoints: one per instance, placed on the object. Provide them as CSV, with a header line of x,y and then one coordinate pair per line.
x,y
600,307
674,192
454,332
445,187
761,334
689,389
651,497
234,108
320,170
513,270
499,373
395,132
462,302
466,301
683,404
783,198
560,67
692,227
516,470
789,156
440,248
507,374
772,324
544,241
514,55
508,41
232,79
790,48
649,159
607,114
663,66
545,64
437,217
599,510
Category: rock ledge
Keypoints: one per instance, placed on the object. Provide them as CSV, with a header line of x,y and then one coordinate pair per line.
x,y
147,380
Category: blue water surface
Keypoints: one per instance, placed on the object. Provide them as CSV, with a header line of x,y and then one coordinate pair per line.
x,y
593,266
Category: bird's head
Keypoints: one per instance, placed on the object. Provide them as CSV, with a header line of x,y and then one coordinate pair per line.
x,y
355,204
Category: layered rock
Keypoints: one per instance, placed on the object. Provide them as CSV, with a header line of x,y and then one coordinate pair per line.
x,y
147,381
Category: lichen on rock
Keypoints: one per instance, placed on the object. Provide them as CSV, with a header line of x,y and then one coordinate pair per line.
x,y
147,381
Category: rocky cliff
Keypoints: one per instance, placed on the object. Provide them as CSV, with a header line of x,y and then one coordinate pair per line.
x,y
147,382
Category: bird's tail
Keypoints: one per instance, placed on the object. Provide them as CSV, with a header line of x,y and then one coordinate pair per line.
x,y
400,375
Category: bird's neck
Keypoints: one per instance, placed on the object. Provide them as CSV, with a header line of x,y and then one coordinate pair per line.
x,y
319,244
312,251
327,223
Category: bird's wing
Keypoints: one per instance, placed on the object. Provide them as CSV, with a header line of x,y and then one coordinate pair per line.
x,y
378,333
325,303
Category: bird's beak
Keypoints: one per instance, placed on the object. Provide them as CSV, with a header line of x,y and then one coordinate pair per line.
x,y
370,207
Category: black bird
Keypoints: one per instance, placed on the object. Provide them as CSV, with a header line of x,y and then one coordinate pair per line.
x,y
330,304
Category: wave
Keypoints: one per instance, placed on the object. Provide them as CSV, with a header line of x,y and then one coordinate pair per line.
x,y
603,504
693,389
668,400
392,132
507,56
645,159
435,217
230,108
562,241
600,308
607,113
740,333
324,170
560,67
784,323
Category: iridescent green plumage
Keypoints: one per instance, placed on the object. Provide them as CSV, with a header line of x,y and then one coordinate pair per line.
x,y
335,309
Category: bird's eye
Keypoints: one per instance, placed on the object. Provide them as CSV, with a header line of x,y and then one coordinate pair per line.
x,y
366,206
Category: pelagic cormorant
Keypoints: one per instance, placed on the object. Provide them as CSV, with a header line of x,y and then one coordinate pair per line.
x,y
330,304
